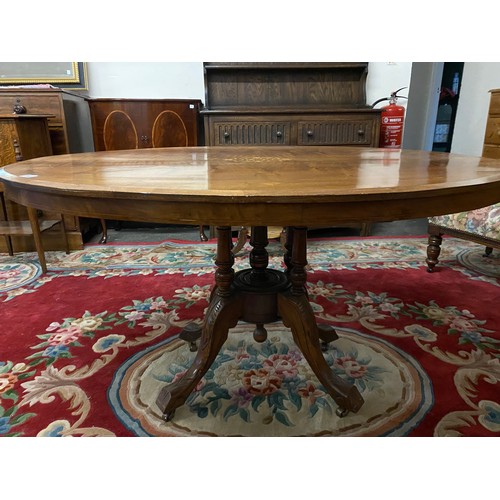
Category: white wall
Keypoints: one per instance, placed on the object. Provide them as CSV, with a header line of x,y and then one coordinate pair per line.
x,y
473,104
179,80
172,80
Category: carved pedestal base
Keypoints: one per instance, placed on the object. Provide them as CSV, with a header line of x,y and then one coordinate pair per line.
x,y
260,295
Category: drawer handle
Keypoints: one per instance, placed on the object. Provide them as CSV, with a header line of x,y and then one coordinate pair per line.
x,y
279,134
361,132
310,133
227,135
18,108
144,138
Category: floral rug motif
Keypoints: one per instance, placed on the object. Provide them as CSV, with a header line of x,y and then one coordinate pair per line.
x,y
86,347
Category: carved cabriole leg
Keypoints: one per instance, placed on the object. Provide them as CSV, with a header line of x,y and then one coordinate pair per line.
x,y
298,315
433,251
223,313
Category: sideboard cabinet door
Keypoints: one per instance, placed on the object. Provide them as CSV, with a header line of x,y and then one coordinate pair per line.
x,y
144,123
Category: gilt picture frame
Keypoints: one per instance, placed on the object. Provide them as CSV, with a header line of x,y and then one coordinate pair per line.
x,y
66,75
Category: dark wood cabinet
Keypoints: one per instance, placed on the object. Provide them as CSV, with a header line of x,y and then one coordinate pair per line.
x,y
288,104
144,123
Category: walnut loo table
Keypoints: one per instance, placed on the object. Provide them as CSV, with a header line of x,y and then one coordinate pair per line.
x,y
293,187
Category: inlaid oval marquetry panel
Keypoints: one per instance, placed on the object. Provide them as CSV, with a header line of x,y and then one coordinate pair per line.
x,y
119,132
169,131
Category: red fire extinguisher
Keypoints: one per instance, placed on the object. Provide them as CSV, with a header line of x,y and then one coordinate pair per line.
x,y
392,120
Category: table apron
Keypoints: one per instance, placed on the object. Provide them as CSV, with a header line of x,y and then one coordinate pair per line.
x,y
150,209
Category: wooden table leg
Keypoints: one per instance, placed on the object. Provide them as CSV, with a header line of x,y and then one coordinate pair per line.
x,y
37,236
260,295
223,313
297,314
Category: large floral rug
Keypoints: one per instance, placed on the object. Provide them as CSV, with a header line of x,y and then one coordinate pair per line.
x,y
85,349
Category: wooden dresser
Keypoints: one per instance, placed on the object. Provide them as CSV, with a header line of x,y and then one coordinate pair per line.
x,y
491,147
288,104
303,104
144,123
70,132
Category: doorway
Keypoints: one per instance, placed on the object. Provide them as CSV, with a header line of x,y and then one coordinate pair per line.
x,y
449,95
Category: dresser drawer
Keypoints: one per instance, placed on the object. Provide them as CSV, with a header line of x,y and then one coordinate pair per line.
x,y
35,105
490,151
335,132
227,133
492,134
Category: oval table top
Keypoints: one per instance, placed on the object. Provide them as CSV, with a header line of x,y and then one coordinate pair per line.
x,y
255,185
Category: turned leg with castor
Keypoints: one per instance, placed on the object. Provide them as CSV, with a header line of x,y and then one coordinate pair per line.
x,y
433,251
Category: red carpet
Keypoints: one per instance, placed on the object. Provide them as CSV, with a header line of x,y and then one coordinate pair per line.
x,y
85,349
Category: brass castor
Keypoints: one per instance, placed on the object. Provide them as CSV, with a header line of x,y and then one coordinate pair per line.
x,y
190,334
168,416
341,412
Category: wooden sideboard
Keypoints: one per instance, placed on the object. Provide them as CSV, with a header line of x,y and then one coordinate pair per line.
x,y
144,123
69,130
288,104
491,147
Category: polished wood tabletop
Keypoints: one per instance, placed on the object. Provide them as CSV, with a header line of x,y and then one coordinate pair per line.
x,y
254,185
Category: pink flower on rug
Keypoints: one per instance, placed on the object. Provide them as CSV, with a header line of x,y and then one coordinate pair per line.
x,y
158,305
310,392
281,364
261,381
388,307
65,336
134,315
351,367
463,324
363,299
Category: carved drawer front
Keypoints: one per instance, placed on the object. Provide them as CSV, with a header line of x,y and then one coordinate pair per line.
x,y
249,133
335,132
492,135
